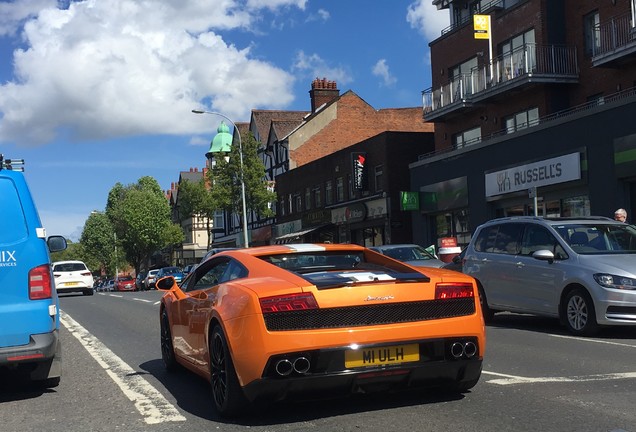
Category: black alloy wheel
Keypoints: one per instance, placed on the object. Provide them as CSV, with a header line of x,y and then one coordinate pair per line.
x,y
167,350
228,395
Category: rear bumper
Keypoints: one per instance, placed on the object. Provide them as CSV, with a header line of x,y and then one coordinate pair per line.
x,y
41,357
455,375
324,373
66,290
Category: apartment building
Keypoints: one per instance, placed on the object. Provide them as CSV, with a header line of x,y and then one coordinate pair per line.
x,y
537,118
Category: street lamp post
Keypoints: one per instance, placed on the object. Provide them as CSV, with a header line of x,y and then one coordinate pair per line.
x,y
238,133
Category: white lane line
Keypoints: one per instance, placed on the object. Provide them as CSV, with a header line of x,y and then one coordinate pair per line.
x,y
513,379
115,295
150,403
142,300
157,302
593,340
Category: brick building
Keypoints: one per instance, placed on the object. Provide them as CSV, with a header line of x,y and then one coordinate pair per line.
x,y
552,86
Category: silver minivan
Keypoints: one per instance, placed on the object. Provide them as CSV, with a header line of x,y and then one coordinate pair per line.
x,y
580,270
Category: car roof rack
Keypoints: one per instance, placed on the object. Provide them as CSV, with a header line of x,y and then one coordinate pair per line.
x,y
11,164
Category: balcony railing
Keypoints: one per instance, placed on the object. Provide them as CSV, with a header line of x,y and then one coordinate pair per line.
x,y
541,63
614,39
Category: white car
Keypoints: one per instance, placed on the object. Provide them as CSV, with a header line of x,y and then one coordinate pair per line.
x,y
151,278
72,276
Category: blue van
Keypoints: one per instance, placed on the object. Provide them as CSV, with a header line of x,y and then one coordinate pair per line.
x,y
29,306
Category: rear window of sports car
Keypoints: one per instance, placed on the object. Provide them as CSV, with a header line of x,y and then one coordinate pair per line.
x,y
330,269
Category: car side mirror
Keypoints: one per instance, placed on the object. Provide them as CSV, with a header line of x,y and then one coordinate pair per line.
x,y
56,243
544,255
165,283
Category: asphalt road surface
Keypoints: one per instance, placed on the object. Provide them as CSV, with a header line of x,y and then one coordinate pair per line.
x,y
536,378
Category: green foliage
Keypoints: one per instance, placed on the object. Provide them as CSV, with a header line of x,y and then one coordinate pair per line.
x,y
98,240
140,215
225,178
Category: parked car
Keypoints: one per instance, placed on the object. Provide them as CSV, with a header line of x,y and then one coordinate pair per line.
x,y
29,306
140,281
108,285
187,269
411,254
72,276
580,270
124,283
265,323
215,251
151,278
175,272
457,263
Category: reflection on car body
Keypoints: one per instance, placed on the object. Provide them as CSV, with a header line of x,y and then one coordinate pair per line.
x,y
264,323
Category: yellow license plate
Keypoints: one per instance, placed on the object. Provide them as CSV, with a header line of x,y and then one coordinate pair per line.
x,y
380,356
71,283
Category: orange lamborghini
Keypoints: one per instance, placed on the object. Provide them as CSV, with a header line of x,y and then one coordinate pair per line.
x,y
299,320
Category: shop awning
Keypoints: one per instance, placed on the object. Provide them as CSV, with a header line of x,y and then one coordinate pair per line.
x,y
289,238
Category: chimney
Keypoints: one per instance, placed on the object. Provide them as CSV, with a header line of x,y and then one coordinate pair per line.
x,y
322,92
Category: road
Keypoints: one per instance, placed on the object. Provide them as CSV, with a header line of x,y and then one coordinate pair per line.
x,y
536,378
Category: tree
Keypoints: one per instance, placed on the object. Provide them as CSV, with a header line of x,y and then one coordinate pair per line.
x,y
226,185
194,199
140,215
98,241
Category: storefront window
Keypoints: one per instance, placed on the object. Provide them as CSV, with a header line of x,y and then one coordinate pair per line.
x,y
453,224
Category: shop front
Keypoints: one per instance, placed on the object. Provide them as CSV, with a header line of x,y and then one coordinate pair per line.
x,y
365,222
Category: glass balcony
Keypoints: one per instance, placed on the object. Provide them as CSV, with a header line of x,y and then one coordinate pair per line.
x,y
525,66
614,42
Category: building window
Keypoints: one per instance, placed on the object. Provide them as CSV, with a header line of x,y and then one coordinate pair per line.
x,y
219,219
328,193
467,137
317,197
290,204
592,33
522,120
281,206
307,199
378,173
340,189
298,207
517,56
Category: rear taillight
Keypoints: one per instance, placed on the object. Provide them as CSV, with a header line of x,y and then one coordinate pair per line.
x,y
453,290
40,282
86,273
286,303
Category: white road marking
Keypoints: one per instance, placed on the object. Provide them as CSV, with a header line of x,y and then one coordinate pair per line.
x,y
157,302
150,403
115,295
513,379
593,340
142,300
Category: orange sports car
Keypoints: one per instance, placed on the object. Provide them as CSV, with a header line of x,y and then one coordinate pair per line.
x,y
311,320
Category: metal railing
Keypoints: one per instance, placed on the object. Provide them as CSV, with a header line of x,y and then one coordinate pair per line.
x,y
530,59
587,106
614,34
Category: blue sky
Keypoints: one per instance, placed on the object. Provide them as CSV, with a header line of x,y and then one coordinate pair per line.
x,y
97,92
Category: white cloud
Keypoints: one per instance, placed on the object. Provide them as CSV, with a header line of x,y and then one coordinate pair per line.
x,y
313,66
320,15
123,68
425,17
275,4
13,14
381,69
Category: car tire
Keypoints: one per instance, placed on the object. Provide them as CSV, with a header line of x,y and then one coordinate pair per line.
x,y
488,313
579,313
167,349
227,393
47,383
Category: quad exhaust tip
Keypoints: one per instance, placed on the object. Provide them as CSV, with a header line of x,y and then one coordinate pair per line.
x,y
299,365
463,349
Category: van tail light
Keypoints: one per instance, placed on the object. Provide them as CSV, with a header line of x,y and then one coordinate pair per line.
x,y
40,282
290,302
453,290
